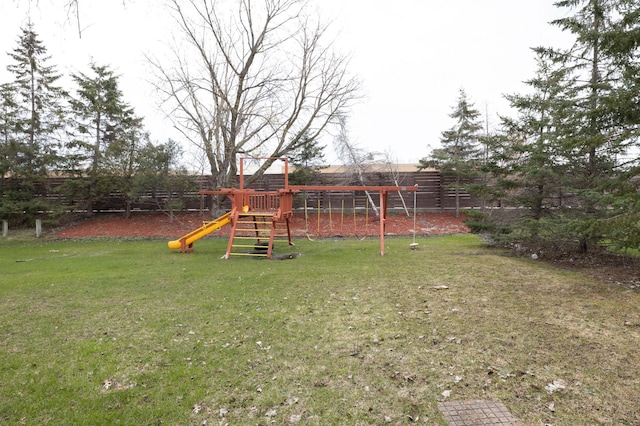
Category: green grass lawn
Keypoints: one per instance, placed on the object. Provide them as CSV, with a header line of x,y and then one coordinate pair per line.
x,y
128,332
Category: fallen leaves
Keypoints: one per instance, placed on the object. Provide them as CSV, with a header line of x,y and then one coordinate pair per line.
x,y
113,384
555,386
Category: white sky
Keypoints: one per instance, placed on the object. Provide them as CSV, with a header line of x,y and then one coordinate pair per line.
x,y
413,56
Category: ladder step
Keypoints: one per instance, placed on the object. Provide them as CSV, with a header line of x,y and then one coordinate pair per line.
x,y
249,254
248,237
253,229
277,238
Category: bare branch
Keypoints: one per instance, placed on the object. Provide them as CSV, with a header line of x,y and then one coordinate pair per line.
x,y
357,160
252,80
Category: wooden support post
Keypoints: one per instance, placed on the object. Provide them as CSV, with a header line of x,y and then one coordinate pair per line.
x,y
5,228
38,228
382,218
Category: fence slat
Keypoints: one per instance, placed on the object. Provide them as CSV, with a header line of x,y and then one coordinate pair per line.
x,y
433,192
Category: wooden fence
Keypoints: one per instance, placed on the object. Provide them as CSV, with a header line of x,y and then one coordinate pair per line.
x,y
434,193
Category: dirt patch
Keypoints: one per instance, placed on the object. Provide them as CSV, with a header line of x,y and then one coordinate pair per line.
x,y
599,263
615,269
158,225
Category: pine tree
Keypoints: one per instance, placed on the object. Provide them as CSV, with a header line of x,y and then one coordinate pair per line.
x,y
525,160
107,134
37,119
41,114
307,159
572,137
605,114
8,125
460,153
122,155
8,148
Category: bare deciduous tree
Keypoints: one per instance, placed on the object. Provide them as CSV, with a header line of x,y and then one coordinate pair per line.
x,y
356,160
251,81
390,164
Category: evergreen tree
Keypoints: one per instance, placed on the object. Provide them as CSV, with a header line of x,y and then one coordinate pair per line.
x,y
107,135
122,155
8,127
8,148
307,159
605,118
34,118
525,161
161,175
572,137
622,44
460,153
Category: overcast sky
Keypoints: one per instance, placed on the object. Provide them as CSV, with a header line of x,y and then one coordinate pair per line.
x,y
413,57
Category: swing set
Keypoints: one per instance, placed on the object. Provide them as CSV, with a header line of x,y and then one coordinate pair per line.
x,y
330,210
258,218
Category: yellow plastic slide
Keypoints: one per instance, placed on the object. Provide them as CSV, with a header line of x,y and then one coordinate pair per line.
x,y
195,235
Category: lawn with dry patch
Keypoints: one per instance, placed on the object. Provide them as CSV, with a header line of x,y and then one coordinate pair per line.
x,y
130,332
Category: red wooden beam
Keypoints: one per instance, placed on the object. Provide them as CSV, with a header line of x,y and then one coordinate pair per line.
x,y
351,188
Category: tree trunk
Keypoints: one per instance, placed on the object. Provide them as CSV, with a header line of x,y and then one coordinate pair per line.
x,y
458,197
583,245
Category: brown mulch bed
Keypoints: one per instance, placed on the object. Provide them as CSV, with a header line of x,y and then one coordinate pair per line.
x,y
326,225
599,262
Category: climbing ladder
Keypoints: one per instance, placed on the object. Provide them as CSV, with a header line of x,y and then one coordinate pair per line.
x,y
254,233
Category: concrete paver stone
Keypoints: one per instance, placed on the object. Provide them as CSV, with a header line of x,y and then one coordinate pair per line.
x,y
480,412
